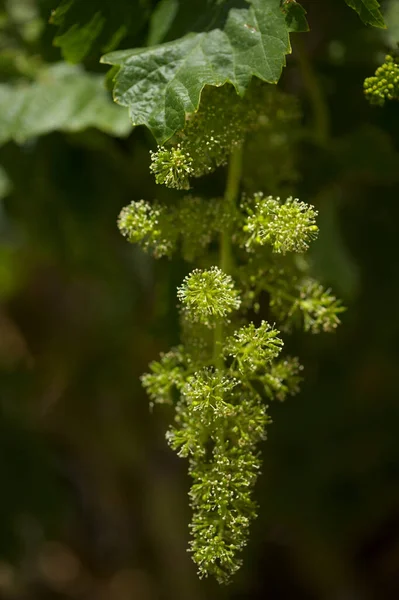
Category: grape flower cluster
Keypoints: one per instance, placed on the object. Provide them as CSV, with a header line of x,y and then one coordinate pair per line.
x,y
226,369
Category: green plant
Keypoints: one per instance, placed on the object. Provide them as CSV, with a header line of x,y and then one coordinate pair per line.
x,y
227,368
208,97
204,114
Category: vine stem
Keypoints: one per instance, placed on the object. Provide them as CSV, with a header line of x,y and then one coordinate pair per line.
x,y
226,257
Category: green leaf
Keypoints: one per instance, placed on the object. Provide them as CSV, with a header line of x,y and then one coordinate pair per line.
x,y
64,98
96,26
369,12
295,16
161,20
160,85
391,15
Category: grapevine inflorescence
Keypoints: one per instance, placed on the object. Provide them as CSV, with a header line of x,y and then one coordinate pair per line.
x,y
227,368
207,98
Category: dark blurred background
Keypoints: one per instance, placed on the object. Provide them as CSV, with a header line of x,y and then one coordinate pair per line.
x,y
93,504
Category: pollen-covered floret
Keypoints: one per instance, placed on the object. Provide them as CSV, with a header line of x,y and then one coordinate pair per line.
x,y
208,296
166,374
282,379
287,227
172,167
207,393
253,347
148,225
319,307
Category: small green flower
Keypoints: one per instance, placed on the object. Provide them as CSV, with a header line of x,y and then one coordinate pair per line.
x,y
138,221
287,227
149,226
207,393
253,347
166,374
282,379
319,307
208,296
172,167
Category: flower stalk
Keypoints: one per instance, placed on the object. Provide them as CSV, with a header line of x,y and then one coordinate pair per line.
x,y
226,256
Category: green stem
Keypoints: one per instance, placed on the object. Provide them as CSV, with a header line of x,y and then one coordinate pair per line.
x,y
226,258
230,200
282,293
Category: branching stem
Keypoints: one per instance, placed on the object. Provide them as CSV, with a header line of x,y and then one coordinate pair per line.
x,y
226,257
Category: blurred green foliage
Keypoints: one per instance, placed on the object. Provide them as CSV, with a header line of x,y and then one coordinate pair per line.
x,y
93,503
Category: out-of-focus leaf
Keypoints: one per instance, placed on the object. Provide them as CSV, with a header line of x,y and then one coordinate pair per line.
x,y
64,98
295,15
391,16
23,17
15,63
368,11
5,183
331,259
161,20
161,85
87,26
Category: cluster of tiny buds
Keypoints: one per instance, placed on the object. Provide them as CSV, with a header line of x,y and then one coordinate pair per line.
x,y
320,308
172,167
385,83
208,295
287,227
139,222
254,347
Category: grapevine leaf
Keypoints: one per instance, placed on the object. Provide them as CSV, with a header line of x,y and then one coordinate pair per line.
x,y
64,98
160,85
369,12
89,26
295,16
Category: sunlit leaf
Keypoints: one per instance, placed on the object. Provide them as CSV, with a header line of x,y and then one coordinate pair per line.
x,y
161,85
